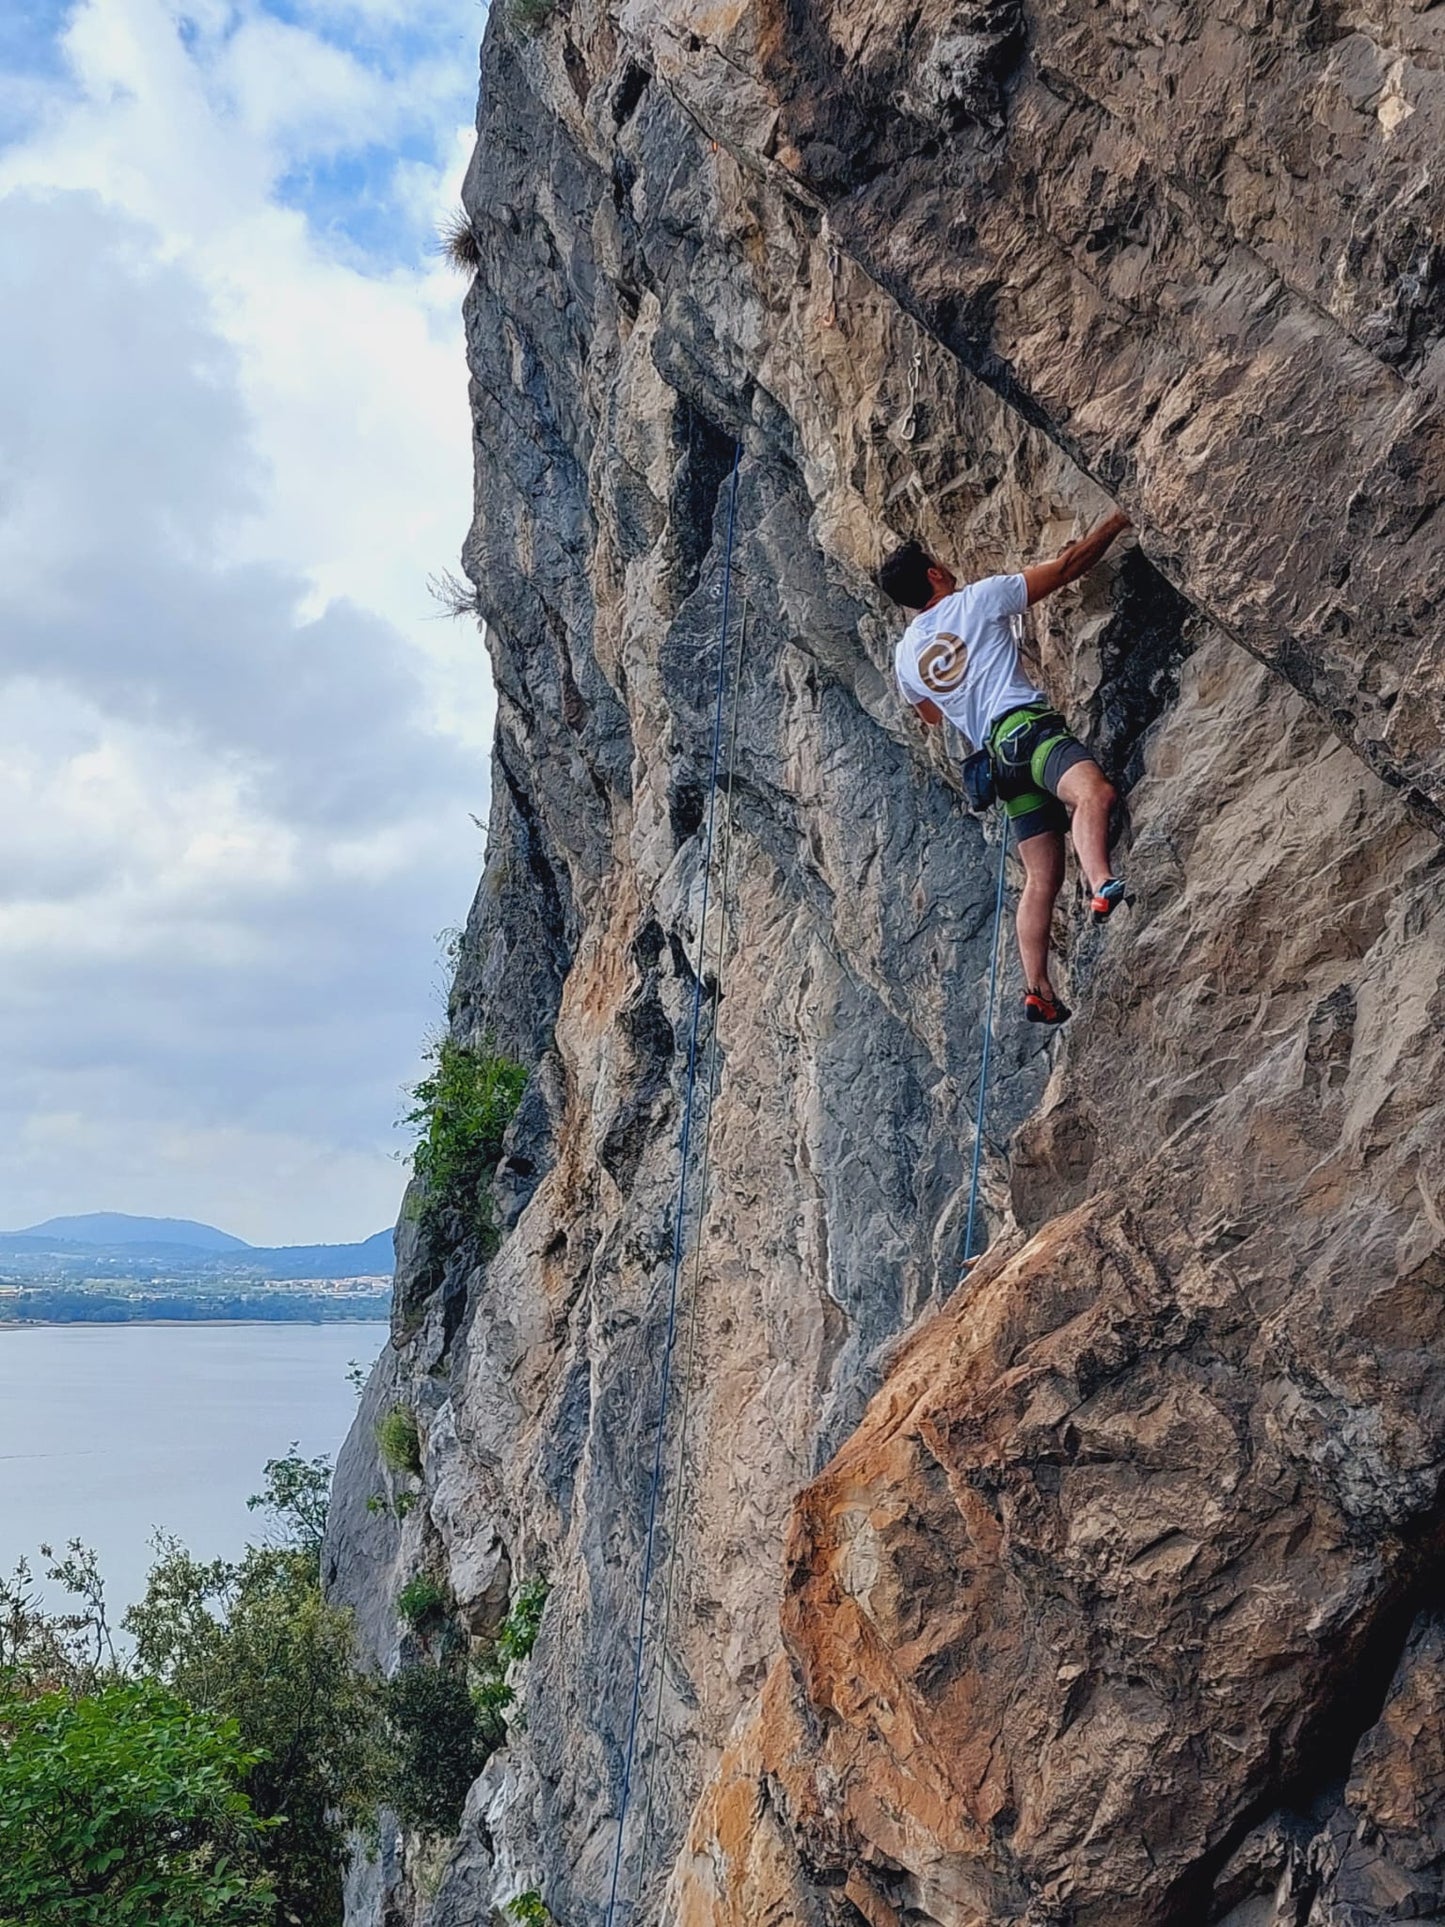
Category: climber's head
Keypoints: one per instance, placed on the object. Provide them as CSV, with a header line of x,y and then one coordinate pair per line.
x,y
911,578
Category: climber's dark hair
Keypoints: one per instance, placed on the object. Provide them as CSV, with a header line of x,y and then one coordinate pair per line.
x,y
904,576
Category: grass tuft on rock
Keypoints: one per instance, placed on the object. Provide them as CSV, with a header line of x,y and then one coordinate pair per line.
x,y
458,243
399,1441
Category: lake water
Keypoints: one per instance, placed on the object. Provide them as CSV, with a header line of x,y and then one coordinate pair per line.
x,y
108,1432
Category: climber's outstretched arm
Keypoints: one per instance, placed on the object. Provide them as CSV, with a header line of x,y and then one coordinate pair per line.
x,y
928,712
1074,561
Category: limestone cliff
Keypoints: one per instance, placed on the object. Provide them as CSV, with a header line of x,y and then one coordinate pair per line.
x,y
1104,1587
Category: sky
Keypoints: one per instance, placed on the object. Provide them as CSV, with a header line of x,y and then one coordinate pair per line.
x,y
241,752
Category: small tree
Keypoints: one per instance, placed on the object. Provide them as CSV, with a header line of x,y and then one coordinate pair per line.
x,y
257,1644
44,1651
437,1746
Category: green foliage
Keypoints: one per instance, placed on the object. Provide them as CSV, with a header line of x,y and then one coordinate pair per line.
x,y
491,1692
257,1644
463,1107
529,1910
437,1747
125,1809
422,1602
399,1441
297,1494
43,1651
442,1731
398,1508
523,1623
247,1659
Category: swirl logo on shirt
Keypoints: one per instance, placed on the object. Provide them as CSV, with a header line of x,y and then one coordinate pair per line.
x,y
943,664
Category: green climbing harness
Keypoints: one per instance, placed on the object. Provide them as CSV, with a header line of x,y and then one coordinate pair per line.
x,y
1020,744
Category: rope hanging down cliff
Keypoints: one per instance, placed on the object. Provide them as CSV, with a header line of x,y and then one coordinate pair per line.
x,y
679,1221
689,1374
987,1048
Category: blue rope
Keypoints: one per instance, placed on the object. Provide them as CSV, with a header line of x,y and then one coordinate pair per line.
x,y
987,1048
680,1220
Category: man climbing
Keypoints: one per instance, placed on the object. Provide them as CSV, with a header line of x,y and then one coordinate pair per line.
x,y
959,659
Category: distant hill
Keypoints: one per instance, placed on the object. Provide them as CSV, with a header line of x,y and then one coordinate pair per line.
x,y
111,1243
373,1257
119,1228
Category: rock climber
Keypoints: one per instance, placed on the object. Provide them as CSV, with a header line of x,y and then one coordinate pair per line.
x,y
959,658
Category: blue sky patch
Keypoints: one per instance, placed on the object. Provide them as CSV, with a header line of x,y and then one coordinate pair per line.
x,y
350,200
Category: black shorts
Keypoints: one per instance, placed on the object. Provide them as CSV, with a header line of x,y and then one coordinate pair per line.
x,y
1040,810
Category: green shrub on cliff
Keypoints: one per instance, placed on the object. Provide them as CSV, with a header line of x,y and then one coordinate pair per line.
x,y
517,1635
463,1107
529,1910
435,1747
399,1441
422,1602
445,1720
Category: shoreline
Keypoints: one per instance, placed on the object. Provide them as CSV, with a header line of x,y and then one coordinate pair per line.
x,y
171,1324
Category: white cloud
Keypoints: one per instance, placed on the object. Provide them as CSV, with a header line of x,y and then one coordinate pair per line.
x,y
238,755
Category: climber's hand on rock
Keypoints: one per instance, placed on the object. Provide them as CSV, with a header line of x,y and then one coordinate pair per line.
x,y
1074,561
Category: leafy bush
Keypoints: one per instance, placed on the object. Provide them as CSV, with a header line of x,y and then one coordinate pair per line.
x,y
441,1731
399,1441
125,1809
516,1637
298,1496
255,1643
422,1601
529,1909
398,1508
247,1653
437,1747
463,1108
520,1628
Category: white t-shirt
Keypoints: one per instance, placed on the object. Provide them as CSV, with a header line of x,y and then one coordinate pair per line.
x,y
961,654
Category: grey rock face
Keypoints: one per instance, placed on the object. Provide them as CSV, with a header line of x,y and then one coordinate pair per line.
x,y
914,278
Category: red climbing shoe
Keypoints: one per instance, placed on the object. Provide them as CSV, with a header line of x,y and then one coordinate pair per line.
x,y
1107,900
1040,1009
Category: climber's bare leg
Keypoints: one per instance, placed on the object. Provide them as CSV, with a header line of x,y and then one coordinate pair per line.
x,y
1089,796
1043,859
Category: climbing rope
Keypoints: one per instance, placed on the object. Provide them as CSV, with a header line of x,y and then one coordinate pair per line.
x,y
650,1543
1020,632
987,1044
689,1371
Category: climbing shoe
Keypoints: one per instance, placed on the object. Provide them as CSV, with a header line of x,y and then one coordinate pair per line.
x,y
1110,895
1040,1009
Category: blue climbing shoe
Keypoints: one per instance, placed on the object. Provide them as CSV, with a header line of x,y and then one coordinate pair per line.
x,y
1107,899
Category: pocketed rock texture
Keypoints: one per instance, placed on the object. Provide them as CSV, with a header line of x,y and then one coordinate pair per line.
x,y
1104,1586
